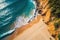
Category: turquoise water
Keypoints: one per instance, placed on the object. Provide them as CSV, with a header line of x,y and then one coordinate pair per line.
x,y
12,9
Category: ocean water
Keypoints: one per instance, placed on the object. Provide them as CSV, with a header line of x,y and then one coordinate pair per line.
x,y
14,11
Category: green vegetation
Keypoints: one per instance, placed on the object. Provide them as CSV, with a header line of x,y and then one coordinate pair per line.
x,y
55,4
55,11
57,24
